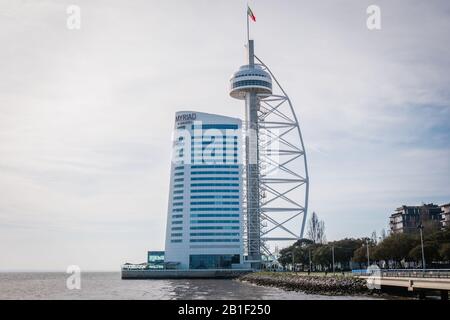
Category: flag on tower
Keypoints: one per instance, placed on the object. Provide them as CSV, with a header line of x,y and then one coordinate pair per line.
x,y
250,13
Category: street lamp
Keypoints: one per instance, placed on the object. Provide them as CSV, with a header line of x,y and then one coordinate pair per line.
x,y
420,227
293,260
310,263
332,254
368,253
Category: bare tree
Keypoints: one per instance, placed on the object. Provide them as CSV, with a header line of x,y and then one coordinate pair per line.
x,y
374,237
312,227
321,238
316,229
383,234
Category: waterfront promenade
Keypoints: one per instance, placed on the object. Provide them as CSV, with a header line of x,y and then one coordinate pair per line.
x,y
421,281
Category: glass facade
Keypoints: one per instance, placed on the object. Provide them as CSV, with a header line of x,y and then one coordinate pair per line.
x,y
205,206
212,261
244,83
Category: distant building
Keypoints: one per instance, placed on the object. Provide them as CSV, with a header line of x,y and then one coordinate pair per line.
x,y
406,219
445,215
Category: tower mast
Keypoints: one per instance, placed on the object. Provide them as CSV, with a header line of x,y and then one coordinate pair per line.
x,y
252,167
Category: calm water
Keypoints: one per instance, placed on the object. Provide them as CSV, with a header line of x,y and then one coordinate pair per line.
x,y
111,286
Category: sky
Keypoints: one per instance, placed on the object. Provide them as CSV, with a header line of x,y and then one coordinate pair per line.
x,y
86,115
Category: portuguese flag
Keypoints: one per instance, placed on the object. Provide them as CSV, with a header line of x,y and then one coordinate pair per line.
x,y
250,14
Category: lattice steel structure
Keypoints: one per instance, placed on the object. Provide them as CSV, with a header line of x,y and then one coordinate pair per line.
x,y
276,172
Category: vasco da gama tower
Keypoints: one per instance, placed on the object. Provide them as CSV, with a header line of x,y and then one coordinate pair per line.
x,y
238,189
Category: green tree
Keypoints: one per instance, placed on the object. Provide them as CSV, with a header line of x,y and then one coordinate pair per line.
x,y
396,247
360,256
430,250
444,252
322,256
344,249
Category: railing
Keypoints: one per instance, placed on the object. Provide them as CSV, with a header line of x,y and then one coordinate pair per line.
x,y
404,273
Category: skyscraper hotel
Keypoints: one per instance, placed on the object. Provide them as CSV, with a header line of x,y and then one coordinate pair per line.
x,y
205,220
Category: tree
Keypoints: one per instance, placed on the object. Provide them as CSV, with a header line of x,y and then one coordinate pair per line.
x,y
344,249
322,256
316,229
444,252
298,254
285,256
430,250
360,256
303,242
321,238
396,247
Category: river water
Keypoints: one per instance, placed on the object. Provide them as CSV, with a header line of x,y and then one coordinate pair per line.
x,y
109,285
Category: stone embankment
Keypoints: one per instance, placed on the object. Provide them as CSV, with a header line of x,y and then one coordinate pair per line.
x,y
312,284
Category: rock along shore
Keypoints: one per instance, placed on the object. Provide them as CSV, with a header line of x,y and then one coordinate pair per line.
x,y
312,284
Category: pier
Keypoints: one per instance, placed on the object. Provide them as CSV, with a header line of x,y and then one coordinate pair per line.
x,y
420,281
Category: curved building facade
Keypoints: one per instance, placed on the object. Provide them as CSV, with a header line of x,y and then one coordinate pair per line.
x,y
204,219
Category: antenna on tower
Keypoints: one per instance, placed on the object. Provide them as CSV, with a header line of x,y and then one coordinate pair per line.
x,y
249,16
248,25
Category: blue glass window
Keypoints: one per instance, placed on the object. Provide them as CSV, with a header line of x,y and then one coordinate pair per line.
x,y
215,167
214,190
213,221
214,228
215,215
252,83
214,184
215,209
214,172
216,126
215,178
204,261
211,234
214,197
215,240
213,203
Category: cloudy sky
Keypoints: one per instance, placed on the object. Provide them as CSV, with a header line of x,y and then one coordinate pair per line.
x,y
86,115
